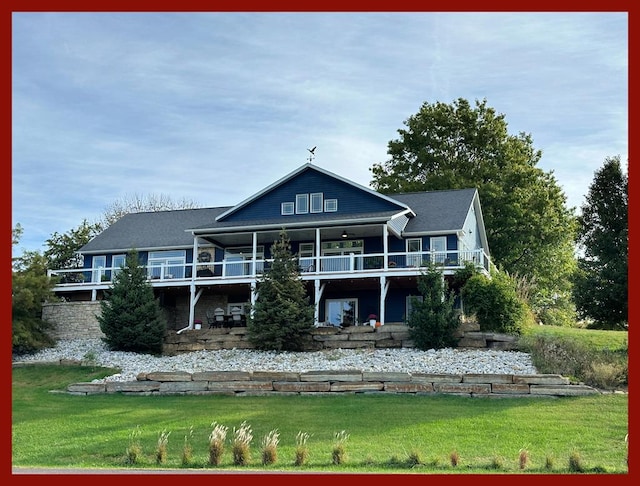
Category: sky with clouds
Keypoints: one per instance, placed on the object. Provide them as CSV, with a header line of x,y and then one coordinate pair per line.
x,y
213,107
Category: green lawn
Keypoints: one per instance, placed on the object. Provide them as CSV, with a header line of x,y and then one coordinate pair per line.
x,y
387,433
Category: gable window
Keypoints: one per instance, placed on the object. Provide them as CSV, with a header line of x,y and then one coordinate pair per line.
x,y
166,264
341,312
287,208
316,202
330,205
302,203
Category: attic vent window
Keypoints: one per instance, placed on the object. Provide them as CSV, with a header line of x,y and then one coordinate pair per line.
x,y
330,205
287,208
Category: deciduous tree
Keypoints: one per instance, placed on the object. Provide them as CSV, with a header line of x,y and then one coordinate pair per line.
x,y
453,146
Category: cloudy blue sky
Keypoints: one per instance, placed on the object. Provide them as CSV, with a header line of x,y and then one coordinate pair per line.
x,y
215,106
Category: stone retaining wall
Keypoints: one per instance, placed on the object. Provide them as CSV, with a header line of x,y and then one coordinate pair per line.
x,y
77,320
73,320
265,383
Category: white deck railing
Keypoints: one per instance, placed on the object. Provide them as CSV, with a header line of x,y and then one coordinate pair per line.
x,y
358,264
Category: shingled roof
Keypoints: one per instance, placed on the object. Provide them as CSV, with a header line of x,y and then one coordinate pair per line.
x,y
435,211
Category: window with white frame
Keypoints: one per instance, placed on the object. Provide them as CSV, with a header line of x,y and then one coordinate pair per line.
x,y
287,208
117,263
302,203
341,312
330,205
410,300
166,264
414,252
306,253
438,247
98,264
316,202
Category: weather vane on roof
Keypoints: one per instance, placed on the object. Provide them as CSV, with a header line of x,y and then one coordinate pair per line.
x,y
312,154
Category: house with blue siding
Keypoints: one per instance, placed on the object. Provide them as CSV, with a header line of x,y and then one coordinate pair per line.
x,y
360,252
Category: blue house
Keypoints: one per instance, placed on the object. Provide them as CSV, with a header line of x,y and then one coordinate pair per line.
x,y
360,252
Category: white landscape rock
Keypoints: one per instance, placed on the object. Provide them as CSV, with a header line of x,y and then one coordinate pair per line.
x,y
407,360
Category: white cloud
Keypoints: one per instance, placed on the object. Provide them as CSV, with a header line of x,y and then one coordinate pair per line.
x,y
215,106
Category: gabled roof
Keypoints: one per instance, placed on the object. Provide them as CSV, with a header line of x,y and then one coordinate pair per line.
x,y
296,173
438,211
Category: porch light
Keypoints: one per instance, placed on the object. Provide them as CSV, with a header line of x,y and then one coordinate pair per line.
x,y
344,234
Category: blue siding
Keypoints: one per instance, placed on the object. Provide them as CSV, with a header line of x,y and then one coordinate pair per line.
x,y
350,199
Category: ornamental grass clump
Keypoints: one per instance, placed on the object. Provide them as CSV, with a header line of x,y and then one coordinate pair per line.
x,y
216,443
241,444
187,449
270,447
134,450
454,457
161,447
523,459
339,455
302,450
575,462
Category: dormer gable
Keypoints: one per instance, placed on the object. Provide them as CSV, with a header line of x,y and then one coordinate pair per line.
x,y
310,191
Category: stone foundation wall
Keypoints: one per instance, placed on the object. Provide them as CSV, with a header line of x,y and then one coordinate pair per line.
x,y
264,383
73,320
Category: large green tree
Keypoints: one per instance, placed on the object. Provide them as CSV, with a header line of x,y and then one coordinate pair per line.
x,y
131,317
454,146
30,288
282,315
62,249
601,286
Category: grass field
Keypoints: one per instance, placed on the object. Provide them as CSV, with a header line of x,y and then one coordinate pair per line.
x,y
385,433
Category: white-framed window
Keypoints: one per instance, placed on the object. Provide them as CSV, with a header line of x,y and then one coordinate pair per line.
x,y
98,264
409,305
316,202
166,264
414,252
238,260
117,262
306,253
341,311
438,247
287,208
330,205
302,203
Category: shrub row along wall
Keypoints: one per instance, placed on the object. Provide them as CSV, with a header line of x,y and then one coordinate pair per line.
x,y
264,383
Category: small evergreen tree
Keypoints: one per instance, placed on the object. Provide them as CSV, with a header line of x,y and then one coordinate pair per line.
x,y
433,320
131,317
282,315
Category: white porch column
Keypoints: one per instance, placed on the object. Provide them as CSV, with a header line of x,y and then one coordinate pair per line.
x,y
384,288
194,270
255,253
385,246
319,289
317,265
254,298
